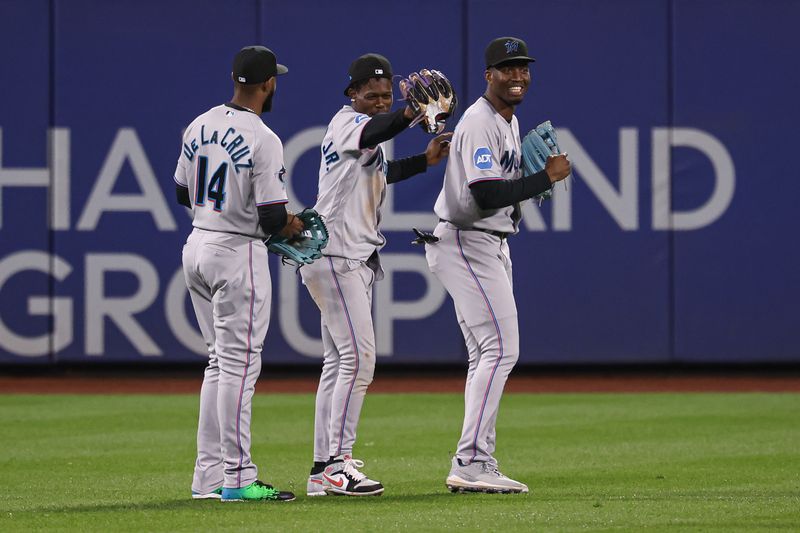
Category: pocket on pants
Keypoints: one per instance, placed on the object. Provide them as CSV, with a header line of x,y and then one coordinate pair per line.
x,y
342,265
221,249
348,265
430,257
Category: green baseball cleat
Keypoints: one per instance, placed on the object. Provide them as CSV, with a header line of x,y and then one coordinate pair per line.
x,y
256,491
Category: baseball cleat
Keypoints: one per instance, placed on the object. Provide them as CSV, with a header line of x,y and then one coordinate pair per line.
x,y
315,485
213,495
342,477
256,491
481,476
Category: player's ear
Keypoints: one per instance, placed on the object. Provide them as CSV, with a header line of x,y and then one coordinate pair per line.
x,y
488,74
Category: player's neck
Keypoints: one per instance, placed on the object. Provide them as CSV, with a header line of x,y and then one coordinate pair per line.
x,y
251,104
503,109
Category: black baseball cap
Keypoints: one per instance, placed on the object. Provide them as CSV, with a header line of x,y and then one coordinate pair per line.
x,y
505,49
368,66
256,64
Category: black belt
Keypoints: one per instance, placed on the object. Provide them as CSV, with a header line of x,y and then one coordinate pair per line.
x,y
500,234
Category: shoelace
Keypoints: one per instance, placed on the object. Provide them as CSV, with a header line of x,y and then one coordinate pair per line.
x,y
492,469
351,467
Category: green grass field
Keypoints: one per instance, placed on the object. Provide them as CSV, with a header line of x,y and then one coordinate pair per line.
x,y
697,462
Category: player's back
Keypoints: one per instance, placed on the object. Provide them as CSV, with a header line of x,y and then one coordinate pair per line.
x,y
222,150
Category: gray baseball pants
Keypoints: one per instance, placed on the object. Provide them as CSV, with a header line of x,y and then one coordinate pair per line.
x,y
229,283
475,268
342,289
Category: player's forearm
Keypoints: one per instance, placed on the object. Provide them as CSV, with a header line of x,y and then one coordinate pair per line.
x,y
400,169
182,195
272,218
503,193
383,127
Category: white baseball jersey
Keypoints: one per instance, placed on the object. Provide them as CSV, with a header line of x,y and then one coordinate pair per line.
x,y
484,147
352,188
232,163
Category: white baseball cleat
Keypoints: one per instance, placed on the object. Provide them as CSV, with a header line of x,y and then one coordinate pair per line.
x,y
342,477
315,485
480,476
213,495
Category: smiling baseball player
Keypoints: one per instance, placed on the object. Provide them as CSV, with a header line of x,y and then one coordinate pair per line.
x,y
230,173
353,175
478,209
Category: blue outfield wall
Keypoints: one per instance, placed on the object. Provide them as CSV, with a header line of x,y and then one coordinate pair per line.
x,y
675,242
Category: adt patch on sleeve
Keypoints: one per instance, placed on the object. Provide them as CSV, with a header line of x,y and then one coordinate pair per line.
x,y
482,158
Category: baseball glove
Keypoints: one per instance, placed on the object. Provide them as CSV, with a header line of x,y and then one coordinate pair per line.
x,y
431,97
537,145
307,246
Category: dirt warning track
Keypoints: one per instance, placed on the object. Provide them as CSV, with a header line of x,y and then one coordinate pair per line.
x,y
450,382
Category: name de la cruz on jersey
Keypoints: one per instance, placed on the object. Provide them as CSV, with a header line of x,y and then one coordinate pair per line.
x,y
231,144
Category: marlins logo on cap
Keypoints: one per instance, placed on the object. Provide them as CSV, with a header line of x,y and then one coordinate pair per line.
x,y
505,49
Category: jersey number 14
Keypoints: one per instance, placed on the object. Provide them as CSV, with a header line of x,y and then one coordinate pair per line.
x,y
216,185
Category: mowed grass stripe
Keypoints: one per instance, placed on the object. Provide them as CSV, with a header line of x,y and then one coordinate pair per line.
x,y
593,461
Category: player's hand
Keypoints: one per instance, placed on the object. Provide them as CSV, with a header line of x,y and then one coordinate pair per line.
x,y
409,114
557,167
438,148
293,226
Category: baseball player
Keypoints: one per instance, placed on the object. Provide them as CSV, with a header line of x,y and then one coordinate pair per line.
x,y
353,175
478,209
230,173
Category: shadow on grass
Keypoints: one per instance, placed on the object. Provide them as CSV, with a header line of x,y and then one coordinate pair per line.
x,y
165,505
301,501
432,497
